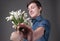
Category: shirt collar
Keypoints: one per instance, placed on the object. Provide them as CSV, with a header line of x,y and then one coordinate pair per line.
x,y
38,18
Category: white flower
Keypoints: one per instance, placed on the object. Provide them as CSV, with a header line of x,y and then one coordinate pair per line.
x,y
19,12
12,12
9,18
30,23
13,22
25,15
16,15
14,26
28,20
23,12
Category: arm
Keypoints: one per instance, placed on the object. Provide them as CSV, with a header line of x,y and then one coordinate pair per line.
x,y
38,33
42,27
16,36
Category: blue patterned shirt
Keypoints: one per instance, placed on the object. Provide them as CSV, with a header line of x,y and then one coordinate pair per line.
x,y
39,21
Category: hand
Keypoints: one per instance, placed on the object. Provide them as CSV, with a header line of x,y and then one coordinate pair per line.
x,y
16,36
28,32
24,26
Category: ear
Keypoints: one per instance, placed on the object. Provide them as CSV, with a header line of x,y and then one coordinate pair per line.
x,y
40,9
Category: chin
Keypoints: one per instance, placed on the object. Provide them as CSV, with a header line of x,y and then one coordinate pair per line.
x,y
32,16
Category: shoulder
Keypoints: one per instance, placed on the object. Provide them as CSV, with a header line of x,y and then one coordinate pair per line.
x,y
44,23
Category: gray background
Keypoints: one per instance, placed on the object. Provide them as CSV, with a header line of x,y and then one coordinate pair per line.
x,y
51,10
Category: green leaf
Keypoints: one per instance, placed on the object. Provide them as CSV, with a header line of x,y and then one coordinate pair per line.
x,y
15,21
21,19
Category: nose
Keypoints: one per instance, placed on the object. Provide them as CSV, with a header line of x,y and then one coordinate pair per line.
x,y
30,11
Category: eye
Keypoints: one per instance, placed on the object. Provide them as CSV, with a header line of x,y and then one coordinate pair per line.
x,y
32,7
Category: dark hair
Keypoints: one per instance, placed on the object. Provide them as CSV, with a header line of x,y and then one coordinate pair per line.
x,y
35,1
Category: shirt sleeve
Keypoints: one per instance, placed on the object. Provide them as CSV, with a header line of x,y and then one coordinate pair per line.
x,y
45,24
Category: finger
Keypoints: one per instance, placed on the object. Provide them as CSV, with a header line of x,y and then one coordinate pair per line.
x,y
12,35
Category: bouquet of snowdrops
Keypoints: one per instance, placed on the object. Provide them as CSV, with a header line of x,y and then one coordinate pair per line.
x,y
17,17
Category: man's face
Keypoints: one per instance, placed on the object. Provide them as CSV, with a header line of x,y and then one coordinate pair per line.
x,y
33,10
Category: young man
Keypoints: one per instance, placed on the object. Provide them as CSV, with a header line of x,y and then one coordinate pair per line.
x,y
41,27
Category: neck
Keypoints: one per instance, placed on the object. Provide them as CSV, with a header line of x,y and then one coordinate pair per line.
x,y
36,16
